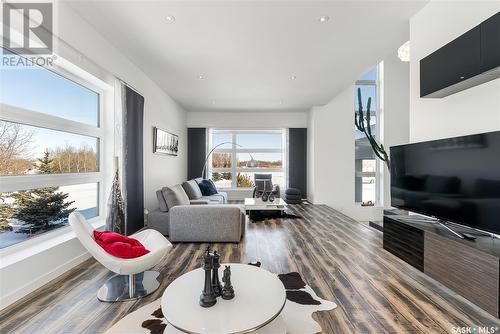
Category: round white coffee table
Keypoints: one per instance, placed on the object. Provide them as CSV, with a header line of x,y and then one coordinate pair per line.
x,y
259,299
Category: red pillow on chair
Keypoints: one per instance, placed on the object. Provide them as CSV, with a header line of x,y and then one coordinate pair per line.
x,y
119,245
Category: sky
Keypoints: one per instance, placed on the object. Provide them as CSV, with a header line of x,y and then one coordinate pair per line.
x,y
252,141
367,91
41,90
249,140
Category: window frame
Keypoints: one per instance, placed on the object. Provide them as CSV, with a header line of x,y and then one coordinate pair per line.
x,y
234,150
378,109
12,183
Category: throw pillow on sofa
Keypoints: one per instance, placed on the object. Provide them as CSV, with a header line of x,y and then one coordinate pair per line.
x,y
175,195
207,188
192,189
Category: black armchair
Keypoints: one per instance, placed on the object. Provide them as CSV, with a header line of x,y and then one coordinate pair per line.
x,y
264,182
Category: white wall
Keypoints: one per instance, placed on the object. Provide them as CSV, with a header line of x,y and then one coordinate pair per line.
x,y
26,273
471,111
332,152
396,114
159,109
247,119
331,142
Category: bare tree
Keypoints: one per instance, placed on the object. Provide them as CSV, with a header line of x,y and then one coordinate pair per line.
x,y
15,148
70,159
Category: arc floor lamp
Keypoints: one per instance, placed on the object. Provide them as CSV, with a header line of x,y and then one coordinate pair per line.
x,y
252,163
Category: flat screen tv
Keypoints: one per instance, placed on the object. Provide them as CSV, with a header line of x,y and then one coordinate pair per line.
x,y
455,179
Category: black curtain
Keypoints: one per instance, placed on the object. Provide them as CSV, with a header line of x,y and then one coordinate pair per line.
x,y
133,112
297,159
197,151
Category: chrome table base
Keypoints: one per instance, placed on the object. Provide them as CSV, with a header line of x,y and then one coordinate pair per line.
x,y
119,287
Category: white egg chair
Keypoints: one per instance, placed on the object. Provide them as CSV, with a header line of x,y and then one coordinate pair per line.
x,y
133,280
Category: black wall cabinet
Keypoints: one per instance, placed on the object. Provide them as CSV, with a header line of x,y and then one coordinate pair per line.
x,y
465,62
490,43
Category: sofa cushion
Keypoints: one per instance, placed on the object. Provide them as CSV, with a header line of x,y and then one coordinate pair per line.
x,y
200,201
192,189
207,223
215,199
161,201
159,221
175,195
207,188
224,196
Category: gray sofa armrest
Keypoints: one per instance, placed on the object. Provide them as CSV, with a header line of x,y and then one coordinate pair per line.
x,y
207,223
159,221
199,202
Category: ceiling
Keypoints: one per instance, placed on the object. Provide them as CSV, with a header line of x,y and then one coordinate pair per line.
x,y
248,51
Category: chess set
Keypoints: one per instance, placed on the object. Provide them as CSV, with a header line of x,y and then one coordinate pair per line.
x,y
213,288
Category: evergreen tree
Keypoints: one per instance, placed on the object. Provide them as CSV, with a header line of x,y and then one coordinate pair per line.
x,y
41,207
6,212
45,163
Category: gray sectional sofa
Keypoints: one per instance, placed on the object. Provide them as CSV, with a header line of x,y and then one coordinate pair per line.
x,y
185,215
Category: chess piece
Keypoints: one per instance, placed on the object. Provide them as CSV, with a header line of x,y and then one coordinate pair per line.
x,y
217,287
207,297
227,290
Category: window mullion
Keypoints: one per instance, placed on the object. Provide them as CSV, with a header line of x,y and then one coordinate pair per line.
x,y
33,118
234,178
24,182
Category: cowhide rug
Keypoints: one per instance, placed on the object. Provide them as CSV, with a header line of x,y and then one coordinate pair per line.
x,y
296,316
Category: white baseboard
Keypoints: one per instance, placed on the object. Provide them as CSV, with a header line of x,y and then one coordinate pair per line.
x,y
41,280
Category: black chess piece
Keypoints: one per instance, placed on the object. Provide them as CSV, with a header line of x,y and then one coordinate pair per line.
x,y
227,290
208,297
217,287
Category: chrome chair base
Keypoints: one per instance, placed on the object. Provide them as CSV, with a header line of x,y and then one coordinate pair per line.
x,y
129,287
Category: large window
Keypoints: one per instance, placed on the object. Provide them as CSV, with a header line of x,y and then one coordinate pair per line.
x,y
367,166
229,165
50,144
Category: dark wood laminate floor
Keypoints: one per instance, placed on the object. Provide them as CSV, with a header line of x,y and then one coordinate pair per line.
x,y
341,259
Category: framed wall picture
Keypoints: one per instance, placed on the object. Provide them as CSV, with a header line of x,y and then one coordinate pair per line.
x,y
165,142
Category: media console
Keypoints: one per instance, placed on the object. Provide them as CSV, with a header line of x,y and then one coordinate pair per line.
x,y
471,268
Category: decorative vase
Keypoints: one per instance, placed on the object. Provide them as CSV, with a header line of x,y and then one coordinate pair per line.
x,y
115,221
271,197
264,196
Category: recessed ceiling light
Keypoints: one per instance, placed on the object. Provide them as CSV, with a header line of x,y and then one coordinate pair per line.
x,y
171,18
293,77
324,19
201,77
